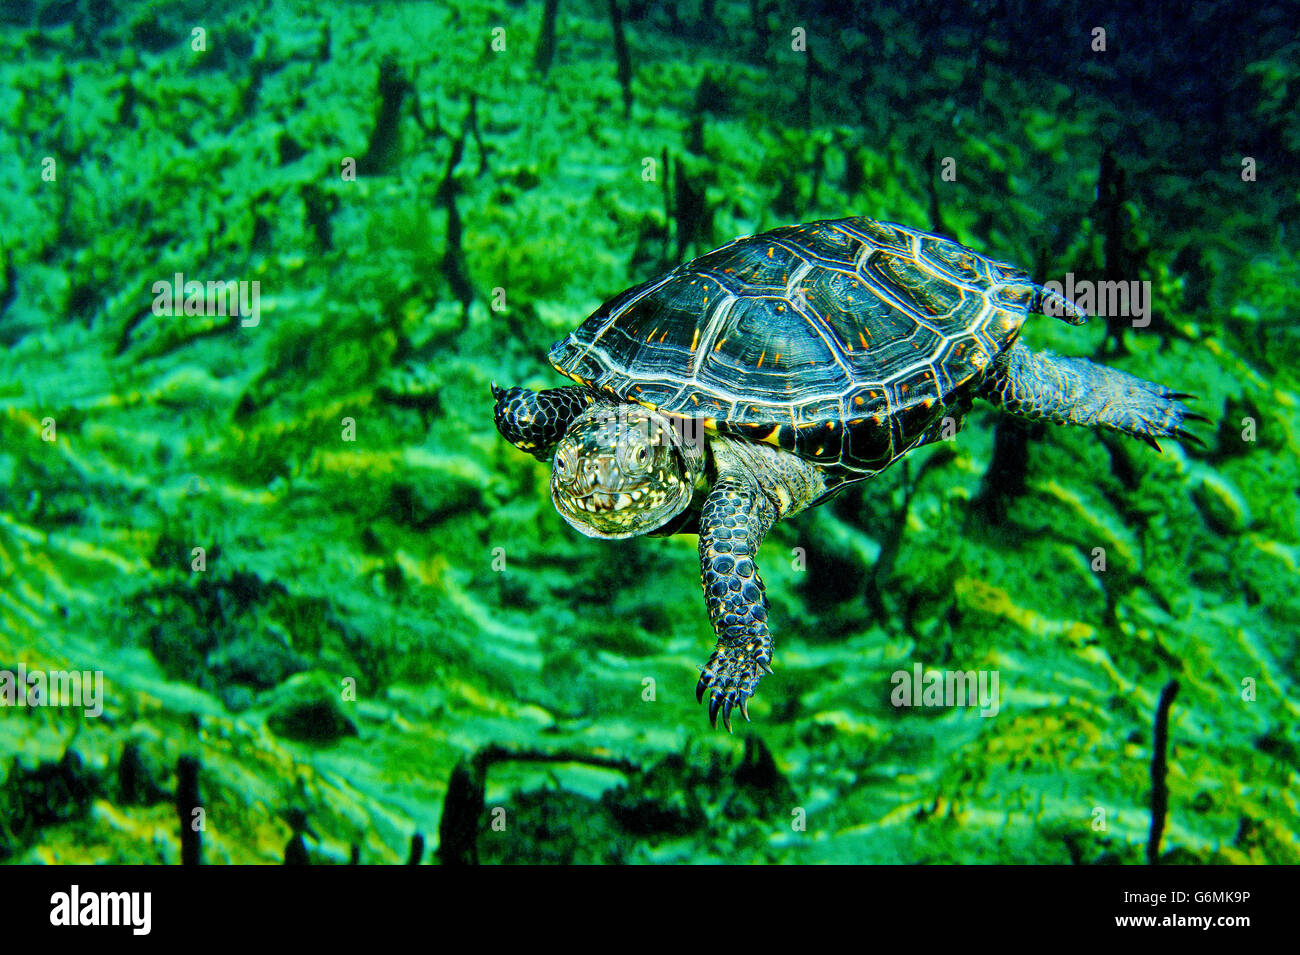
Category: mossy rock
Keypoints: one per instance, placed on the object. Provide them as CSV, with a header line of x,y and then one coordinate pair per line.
x,y
661,801
308,708
49,794
551,827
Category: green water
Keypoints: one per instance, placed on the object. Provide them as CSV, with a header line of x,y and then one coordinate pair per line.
x,y
383,589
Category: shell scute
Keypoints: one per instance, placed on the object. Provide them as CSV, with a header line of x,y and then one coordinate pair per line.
x,y
843,340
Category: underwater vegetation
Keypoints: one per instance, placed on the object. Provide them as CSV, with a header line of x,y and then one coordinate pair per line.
x,y
338,616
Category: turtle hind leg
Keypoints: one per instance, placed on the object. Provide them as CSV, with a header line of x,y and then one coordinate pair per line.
x,y
1046,387
534,421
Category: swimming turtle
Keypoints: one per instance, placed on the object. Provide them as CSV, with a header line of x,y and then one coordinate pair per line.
x,y
761,378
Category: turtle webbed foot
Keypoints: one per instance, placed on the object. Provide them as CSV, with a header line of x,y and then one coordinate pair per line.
x,y
731,676
534,421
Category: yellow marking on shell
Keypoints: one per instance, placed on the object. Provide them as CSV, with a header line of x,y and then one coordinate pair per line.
x,y
769,251
721,342
760,359
862,339
777,359
643,404
662,338
857,400
696,339
652,333
695,400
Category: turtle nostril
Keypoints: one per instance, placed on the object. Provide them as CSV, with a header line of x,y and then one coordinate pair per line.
x,y
603,471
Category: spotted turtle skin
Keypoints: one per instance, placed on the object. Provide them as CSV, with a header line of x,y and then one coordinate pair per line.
x,y
761,378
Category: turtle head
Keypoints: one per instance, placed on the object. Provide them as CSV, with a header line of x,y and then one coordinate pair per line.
x,y
624,470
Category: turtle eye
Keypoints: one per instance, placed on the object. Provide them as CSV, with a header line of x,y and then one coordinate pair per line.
x,y
640,455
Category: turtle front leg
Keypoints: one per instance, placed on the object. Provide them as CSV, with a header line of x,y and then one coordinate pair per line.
x,y
534,421
735,518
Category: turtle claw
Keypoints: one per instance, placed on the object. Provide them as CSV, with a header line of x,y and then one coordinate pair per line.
x,y
720,704
1165,419
723,703
730,679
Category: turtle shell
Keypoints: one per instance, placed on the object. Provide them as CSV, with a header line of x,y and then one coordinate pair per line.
x,y
842,340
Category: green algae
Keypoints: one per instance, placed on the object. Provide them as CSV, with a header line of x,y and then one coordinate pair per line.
x,y
416,555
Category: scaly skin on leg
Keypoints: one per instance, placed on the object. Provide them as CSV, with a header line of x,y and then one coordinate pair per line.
x,y
1063,390
534,421
735,518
